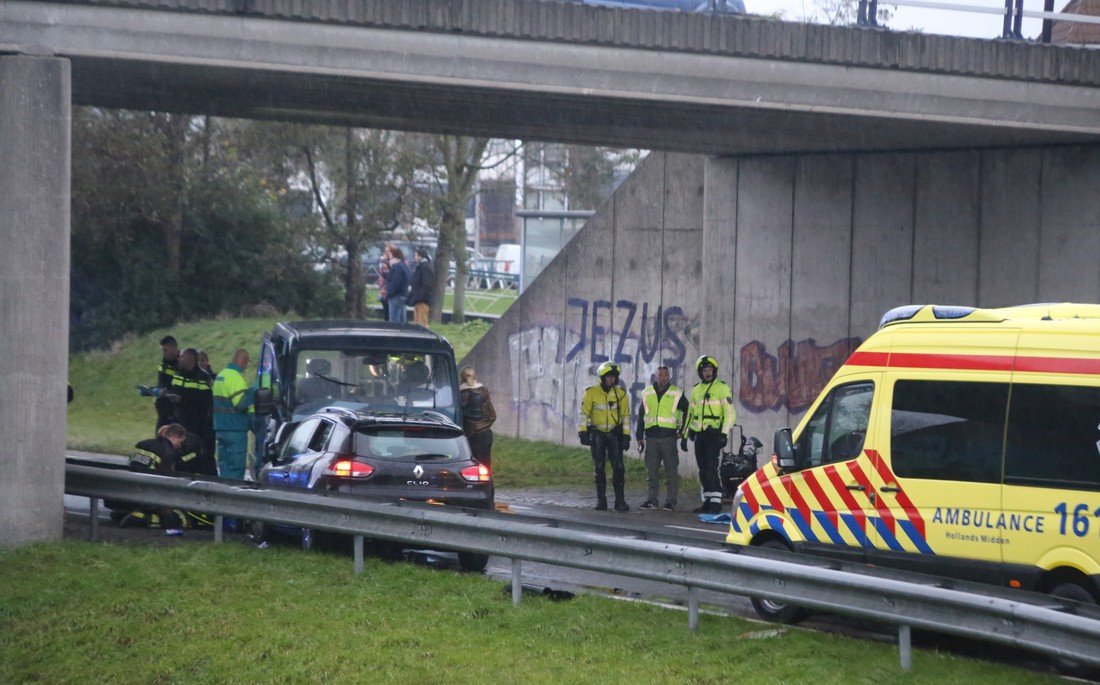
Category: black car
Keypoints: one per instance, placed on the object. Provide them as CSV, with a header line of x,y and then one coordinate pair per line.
x,y
421,456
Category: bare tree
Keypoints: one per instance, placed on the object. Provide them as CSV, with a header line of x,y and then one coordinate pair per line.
x,y
359,180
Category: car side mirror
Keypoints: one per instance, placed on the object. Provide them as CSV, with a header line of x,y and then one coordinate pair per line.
x,y
264,401
784,449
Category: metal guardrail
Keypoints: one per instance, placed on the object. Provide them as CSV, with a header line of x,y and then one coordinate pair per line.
x,y
1043,624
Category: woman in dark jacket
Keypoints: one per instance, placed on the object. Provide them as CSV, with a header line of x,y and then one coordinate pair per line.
x,y
478,415
397,286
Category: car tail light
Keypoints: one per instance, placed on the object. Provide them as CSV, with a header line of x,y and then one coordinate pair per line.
x,y
343,467
478,473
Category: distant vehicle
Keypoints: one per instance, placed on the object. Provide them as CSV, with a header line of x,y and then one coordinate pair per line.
x,y
507,258
720,6
419,455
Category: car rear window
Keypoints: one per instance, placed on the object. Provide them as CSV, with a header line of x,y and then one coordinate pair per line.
x,y
410,442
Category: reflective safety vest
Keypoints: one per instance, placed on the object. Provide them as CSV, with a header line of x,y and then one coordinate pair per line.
x,y
663,412
167,372
605,409
232,398
711,406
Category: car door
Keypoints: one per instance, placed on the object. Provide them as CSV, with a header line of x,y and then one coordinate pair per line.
x,y
279,472
833,504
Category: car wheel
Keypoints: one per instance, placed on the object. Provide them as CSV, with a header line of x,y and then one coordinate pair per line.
x,y
470,561
774,610
1077,593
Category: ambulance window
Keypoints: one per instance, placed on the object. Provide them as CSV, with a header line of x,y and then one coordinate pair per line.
x,y
945,430
1053,437
836,430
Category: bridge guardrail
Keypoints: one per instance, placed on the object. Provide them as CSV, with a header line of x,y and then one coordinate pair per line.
x,y
1032,622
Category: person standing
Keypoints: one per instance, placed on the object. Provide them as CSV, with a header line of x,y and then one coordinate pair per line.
x,y
662,413
397,286
605,428
478,416
167,370
194,412
383,273
420,290
232,398
710,420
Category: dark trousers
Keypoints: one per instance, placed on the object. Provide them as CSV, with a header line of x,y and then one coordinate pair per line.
x,y
481,445
607,447
708,448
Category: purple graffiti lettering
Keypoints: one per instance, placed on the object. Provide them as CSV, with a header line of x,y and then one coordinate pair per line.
x,y
583,304
678,351
631,309
598,330
646,348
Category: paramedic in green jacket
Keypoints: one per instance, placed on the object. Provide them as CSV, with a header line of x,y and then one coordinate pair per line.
x,y
232,398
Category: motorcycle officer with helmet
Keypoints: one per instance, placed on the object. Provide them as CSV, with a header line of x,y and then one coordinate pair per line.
x,y
710,420
605,428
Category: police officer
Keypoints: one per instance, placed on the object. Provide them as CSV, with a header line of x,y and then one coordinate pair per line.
x,y
194,412
710,420
662,413
605,428
166,371
232,398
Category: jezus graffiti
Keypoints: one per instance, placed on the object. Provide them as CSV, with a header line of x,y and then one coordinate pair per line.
x,y
551,366
792,377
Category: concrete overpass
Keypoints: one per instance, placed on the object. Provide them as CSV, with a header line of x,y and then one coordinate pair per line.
x,y
844,169
711,84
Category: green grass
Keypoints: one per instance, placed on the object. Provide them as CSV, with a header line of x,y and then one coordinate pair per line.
x,y
80,612
483,301
494,301
108,415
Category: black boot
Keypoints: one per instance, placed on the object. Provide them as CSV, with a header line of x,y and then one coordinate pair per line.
x,y
621,505
601,504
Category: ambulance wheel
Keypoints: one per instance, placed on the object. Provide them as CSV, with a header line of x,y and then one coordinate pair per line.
x,y
1077,593
774,610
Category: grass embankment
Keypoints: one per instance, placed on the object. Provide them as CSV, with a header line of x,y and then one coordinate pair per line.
x,y
198,613
109,416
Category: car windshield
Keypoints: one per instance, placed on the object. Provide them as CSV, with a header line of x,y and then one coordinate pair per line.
x,y
378,381
406,442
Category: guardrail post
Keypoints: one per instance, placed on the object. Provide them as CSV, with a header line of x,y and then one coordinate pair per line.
x,y
517,581
905,646
93,512
693,609
218,521
358,546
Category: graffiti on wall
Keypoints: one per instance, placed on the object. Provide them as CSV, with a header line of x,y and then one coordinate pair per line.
x,y
791,378
551,365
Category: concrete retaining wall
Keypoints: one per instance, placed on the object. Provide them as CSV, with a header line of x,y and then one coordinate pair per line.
x,y
780,265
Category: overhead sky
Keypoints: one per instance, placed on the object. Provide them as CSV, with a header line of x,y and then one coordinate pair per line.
x,y
947,22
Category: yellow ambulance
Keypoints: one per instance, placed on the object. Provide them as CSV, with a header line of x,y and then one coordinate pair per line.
x,y
955,441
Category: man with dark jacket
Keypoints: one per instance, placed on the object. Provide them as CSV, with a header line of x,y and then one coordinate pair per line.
x,y
420,290
158,455
194,411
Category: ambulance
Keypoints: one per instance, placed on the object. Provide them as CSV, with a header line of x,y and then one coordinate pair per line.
x,y
956,441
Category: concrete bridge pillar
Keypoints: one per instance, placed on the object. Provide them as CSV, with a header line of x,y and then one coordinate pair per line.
x,y
35,118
